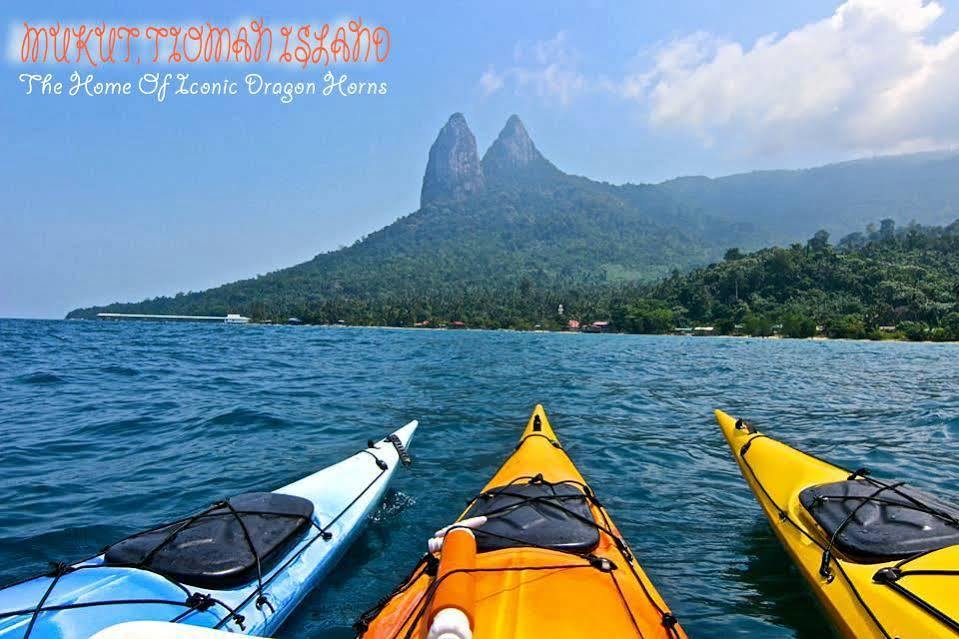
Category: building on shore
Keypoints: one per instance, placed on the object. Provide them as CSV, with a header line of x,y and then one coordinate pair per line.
x,y
229,318
597,327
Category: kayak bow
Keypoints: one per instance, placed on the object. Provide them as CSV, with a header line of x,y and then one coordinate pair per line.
x,y
882,558
534,555
240,566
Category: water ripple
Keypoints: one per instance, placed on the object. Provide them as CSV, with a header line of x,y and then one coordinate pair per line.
x,y
111,427
40,378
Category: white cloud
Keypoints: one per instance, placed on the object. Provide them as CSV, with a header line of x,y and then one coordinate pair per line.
x,y
548,68
491,81
869,78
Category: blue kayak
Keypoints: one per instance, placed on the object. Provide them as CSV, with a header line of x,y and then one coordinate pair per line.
x,y
240,566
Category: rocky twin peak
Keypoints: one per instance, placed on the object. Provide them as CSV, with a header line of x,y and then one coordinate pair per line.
x,y
513,151
454,170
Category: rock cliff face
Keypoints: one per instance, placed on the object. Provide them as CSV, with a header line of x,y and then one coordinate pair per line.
x,y
513,152
453,170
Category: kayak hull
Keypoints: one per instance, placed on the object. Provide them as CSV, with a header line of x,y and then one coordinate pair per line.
x,y
858,605
343,496
535,592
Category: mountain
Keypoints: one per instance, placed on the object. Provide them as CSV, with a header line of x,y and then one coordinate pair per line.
x,y
513,156
499,235
453,170
839,198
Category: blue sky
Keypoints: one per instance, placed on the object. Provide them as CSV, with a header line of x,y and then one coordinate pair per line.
x,y
122,198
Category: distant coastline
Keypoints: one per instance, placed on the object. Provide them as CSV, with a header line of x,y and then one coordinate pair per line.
x,y
893,337
509,240
868,286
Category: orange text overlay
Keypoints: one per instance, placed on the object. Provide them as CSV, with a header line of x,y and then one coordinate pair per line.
x,y
252,42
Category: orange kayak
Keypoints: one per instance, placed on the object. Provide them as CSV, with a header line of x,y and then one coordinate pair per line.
x,y
534,556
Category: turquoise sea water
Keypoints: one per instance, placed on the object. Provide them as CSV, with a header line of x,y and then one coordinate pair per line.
x,y
106,428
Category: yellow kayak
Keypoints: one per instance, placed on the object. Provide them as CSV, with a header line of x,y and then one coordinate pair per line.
x,y
534,556
882,557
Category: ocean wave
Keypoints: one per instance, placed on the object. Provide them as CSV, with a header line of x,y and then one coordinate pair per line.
x,y
41,378
125,425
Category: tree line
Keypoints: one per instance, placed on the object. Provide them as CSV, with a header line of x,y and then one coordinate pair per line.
x,y
882,282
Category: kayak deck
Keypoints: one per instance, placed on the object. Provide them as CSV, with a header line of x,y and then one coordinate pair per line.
x,y
918,602
74,602
529,590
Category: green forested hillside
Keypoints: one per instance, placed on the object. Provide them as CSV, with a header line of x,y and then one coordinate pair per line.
x,y
878,283
502,241
840,198
565,233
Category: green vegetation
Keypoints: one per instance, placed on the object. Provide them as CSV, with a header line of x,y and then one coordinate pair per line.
x,y
884,283
881,284
788,205
477,257
536,240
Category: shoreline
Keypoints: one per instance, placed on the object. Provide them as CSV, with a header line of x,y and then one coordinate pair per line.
x,y
816,338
